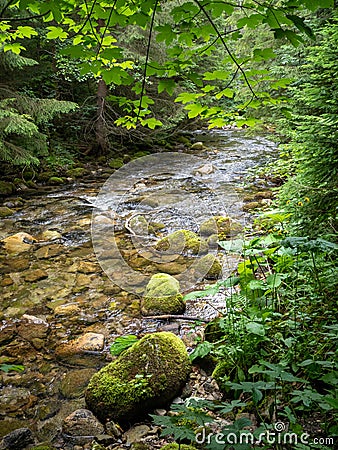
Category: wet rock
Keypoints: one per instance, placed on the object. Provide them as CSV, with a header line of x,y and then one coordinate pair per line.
x,y
6,281
67,310
182,241
32,327
162,296
83,280
81,426
5,211
50,235
17,264
36,275
208,267
17,439
19,242
197,146
138,225
146,376
88,267
206,169
14,400
75,382
7,332
251,205
224,227
49,251
136,433
172,268
73,351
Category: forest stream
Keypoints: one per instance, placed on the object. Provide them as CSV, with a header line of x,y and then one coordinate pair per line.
x,y
60,311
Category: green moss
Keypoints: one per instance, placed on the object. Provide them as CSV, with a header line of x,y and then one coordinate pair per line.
x,y
6,188
116,163
162,285
224,227
183,241
147,375
222,372
209,267
56,180
78,172
42,447
155,306
5,212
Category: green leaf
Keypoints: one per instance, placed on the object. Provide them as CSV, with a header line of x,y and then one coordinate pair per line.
x,y
255,328
315,4
274,281
166,85
232,246
16,48
263,54
195,109
165,33
111,53
256,284
26,32
201,351
218,8
257,396
122,343
216,75
186,97
56,33
151,123
229,93
301,25
251,22
11,367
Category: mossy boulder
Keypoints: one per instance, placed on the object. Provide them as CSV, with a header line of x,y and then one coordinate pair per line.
x,y
182,241
56,180
162,296
209,267
78,172
116,163
6,188
139,225
146,376
5,211
224,227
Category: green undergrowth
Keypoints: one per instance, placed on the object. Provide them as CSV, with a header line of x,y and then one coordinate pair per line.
x,y
274,354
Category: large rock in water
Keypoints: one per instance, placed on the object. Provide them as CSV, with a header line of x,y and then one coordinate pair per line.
x,y
162,296
146,376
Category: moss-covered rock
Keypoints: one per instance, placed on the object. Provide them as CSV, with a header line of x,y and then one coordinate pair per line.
x,y
224,227
182,241
209,267
146,376
6,188
78,172
116,163
139,225
5,211
162,296
56,180
222,372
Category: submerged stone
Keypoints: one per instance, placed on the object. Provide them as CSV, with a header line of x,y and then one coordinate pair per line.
x,y
5,211
224,227
209,267
144,377
182,241
19,242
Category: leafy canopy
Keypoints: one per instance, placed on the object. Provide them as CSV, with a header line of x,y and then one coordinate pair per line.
x,y
88,32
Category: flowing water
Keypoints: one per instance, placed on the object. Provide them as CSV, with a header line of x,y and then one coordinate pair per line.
x,y
60,311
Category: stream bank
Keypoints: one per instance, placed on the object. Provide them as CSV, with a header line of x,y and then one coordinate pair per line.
x,y
59,310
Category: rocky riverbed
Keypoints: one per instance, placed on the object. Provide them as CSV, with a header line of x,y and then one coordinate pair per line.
x,y
60,312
